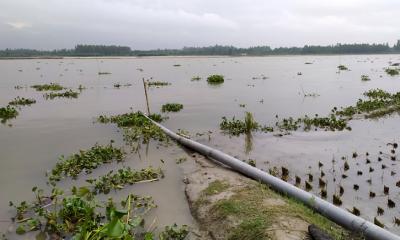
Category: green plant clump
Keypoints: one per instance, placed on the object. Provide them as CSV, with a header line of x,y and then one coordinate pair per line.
x,y
48,87
342,68
196,78
392,71
215,79
171,107
136,127
123,177
7,113
67,94
85,160
365,78
22,101
237,127
157,83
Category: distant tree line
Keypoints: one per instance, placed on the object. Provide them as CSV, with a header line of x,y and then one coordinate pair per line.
x,y
103,50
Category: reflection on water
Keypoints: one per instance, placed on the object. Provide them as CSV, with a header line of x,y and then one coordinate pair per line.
x,y
50,128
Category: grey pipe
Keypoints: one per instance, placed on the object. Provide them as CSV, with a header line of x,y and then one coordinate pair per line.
x,y
336,214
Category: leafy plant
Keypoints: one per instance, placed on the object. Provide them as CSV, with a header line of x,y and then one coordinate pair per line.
x,y
215,79
365,78
171,107
85,160
392,71
7,113
67,94
174,232
48,87
342,68
122,177
22,101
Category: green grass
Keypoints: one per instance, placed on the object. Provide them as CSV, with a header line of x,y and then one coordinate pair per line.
x,y
216,187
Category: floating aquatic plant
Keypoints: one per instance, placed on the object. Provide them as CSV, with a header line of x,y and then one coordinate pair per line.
x,y
392,71
122,177
342,68
7,113
104,73
237,127
215,79
196,78
85,160
171,107
67,94
22,101
48,87
157,83
365,78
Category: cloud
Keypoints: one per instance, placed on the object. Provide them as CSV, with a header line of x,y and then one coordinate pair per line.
x,y
144,24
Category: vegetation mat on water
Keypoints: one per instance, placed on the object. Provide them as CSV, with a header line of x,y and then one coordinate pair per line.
x,y
7,113
122,177
85,160
171,107
48,87
22,101
157,83
215,79
137,128
80,216
67,94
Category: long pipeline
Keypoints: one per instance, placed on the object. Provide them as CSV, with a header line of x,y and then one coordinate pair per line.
x,y
334,213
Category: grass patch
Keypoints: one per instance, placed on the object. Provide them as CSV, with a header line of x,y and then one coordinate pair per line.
x,y
21,101
392,71
216,187
7,113
48,87
215,79
67,94
171,107
254,217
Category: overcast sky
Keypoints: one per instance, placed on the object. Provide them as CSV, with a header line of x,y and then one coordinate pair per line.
x,y
148,24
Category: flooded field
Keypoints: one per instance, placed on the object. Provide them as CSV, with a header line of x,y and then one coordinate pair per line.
x,y
360,166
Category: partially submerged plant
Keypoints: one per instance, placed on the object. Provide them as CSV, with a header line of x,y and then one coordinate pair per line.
x,y
122,177
67,94
85,160
171,107
196,78
342,68
157,83
215,79
237,127
392,71
48,87
104,73
365,78
7,113
22,101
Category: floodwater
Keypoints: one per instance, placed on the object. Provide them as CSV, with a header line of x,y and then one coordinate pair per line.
x,y
50,128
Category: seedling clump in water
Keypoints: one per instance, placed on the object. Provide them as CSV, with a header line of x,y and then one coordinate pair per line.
x,y
157,84
22,101
215,79
342,68
48,87
123,177
196,78
171,107
392,71
85,160
237,127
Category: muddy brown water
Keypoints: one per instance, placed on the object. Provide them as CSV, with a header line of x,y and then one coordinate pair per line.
x,y
50,128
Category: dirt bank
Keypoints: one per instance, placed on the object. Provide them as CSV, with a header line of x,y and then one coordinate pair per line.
x,y
228,205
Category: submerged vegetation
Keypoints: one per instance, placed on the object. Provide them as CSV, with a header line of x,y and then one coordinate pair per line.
x,y
157,83
365,78
67,94
22,101
196,78
392,71
48,87
171,107
215,79
137,127
343,68
85,160
123,177
7,113
237,127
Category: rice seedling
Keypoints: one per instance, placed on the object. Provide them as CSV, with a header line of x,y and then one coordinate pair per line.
x,y
356,211
237,127
385,190
85,160
103,73
308,186
372,194
48,87
396,221
391,203
7,113
336,200
380,211
114,181
171,107
298,180
215,79
67,94
180,160
324,193
356,187
22,101
322,183
176,65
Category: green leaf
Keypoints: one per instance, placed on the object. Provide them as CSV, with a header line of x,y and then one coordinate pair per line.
x,y
20,230
115,229
148,236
